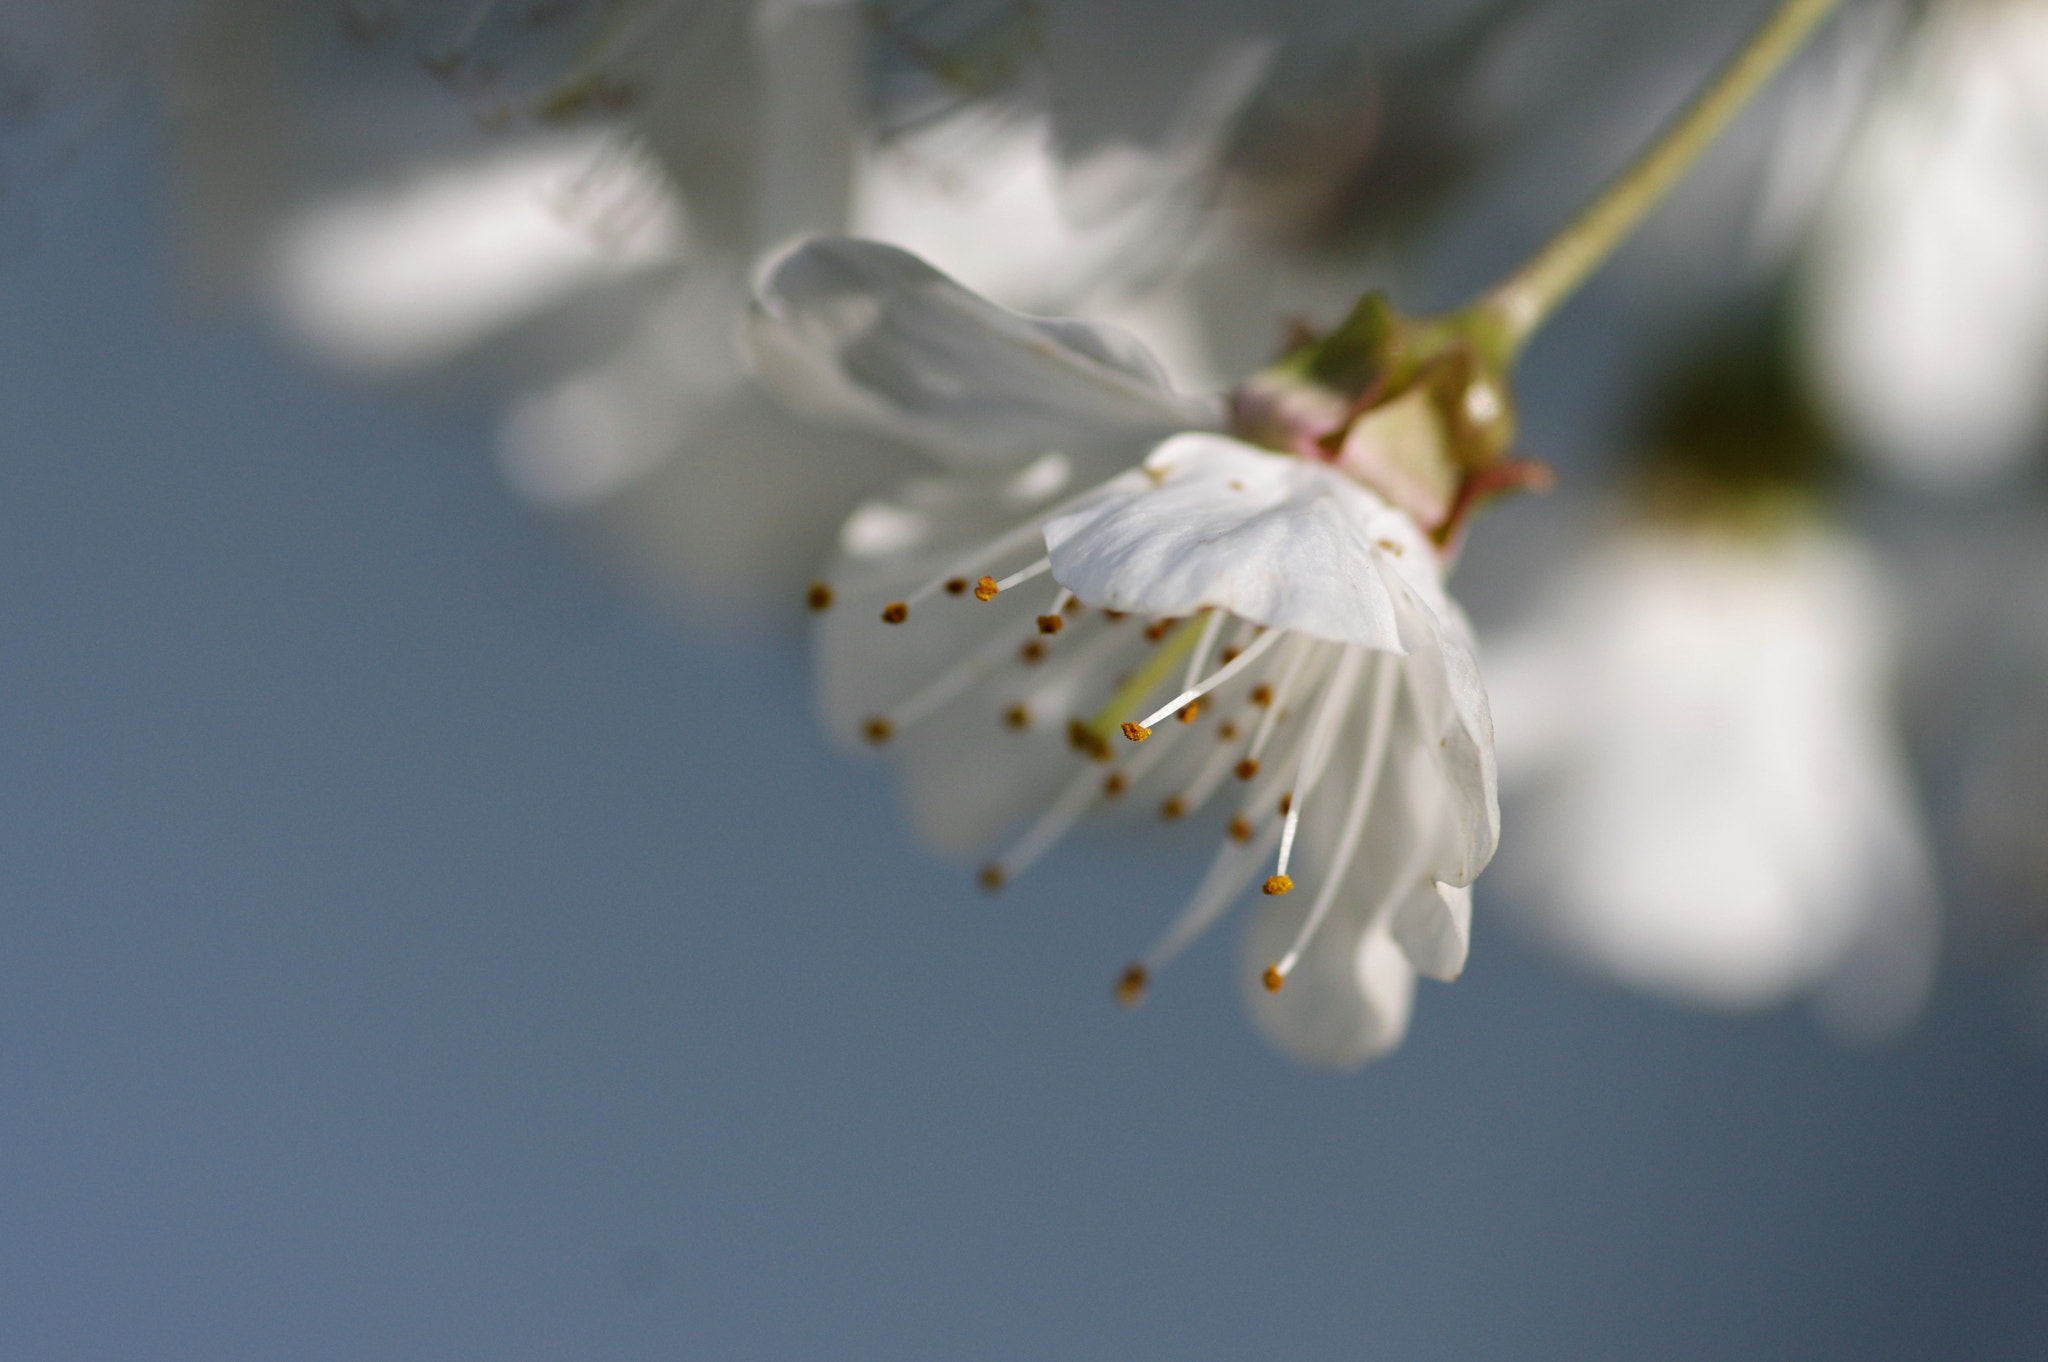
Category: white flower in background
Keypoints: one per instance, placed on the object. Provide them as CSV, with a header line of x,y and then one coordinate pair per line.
x,y
1036,634
1927,301
1696,740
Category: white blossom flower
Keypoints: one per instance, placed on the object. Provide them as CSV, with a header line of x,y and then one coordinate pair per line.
x,y
1927,298
1269,636
1696,742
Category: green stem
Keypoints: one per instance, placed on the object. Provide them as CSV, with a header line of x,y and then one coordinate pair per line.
x,y
1525,299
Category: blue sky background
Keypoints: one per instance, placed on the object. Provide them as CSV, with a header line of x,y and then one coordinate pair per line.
x,y
413,947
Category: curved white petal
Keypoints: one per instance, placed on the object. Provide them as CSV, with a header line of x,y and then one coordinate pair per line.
x,y
1347,1002
1269,537
1434,929
862,332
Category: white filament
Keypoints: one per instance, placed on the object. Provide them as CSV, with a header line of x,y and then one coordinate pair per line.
x,y
1386,686
1196,690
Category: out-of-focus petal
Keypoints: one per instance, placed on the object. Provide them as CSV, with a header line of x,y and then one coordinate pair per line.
x,y
1347,1002
866,333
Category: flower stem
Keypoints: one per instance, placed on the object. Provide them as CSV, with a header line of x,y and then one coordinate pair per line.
x,y
1516,306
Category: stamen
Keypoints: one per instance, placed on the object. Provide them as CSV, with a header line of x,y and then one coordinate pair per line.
x,y
1280,884
1133,688
1240,829
999,547
1273,978
1386,685
985,589
1189,712
1032,653
1196,690
895,612
1018,578
1247,768
819,597
956,586
1315,751
878,731
1173,808
1262,695
1130,988
1050,624
1136,732
1159,628
992,877
1017,717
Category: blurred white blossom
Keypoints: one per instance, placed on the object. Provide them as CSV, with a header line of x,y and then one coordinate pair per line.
x,y
1928,277
1710,802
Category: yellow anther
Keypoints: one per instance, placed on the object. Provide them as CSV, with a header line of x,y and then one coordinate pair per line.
x,y
1016,716
956,586
1278,884
819,597
1173,808
1240,828
985,589
1247,768
1136,732
1262,695
1050,624
1286,803
895,612
1273,978
992,876
878,730
1190,711
1130,989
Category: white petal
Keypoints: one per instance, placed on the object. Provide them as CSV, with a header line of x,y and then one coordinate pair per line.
x,y
862,332
1349,998
1434,927
1448,722
1274,539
